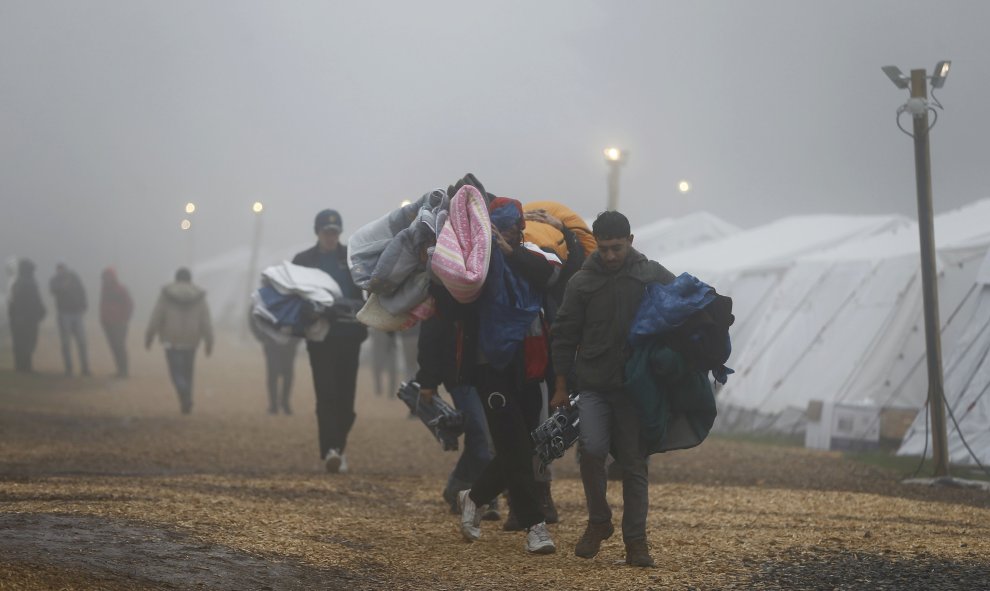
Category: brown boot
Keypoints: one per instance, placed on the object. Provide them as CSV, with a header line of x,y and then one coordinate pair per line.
x,y
591,542
546,503
638,554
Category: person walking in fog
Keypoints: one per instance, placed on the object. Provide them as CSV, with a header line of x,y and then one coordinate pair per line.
x,y
181,319
116,307
25,311
70,307
590,338
383,361
280,360
334,360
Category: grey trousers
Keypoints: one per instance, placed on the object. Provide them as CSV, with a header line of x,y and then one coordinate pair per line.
x,y
610,421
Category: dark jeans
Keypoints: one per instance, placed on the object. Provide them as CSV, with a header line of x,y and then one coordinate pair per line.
x,y
117,339
25,339
475,455
610,421
70,326
180,369
279,363
512,412
334,363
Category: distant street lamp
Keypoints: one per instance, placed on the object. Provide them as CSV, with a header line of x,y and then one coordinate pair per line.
x,y
918,107
190,207
614,158
684,187
185,224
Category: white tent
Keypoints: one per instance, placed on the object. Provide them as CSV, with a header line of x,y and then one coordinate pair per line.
x,y
845,325
668,235
749,265
967,386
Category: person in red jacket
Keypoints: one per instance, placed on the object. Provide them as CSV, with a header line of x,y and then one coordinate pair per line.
x,y
116,307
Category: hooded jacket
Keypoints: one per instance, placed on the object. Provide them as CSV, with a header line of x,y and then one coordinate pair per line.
x,y
181,318
591,331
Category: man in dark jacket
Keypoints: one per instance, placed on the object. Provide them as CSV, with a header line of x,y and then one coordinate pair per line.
x,y
334,360
590,339
70,306
25,311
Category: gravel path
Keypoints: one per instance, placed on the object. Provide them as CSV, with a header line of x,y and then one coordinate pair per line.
x,y
103,485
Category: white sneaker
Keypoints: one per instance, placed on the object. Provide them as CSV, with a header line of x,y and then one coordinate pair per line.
x,y
335,461
470,516
538,540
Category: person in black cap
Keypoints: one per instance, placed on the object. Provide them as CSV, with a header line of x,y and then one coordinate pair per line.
x,y
334,360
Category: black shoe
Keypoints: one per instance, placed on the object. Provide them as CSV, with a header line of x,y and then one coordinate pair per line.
x,y
450,497
591,541
638,554
512,522
490,511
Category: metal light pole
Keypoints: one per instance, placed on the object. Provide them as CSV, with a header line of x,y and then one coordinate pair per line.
x,y
918,107
257,208
615,158
187,228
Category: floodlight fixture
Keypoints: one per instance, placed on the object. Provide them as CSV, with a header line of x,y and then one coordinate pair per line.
x,y
613,154
190,207
258,207
896,76
940,73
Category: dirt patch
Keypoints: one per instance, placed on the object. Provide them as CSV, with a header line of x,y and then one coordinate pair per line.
x,y
157,557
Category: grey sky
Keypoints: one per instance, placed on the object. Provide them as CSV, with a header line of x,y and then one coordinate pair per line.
x,y
114,113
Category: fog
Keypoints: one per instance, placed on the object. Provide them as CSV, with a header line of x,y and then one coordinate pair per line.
x,y
114,114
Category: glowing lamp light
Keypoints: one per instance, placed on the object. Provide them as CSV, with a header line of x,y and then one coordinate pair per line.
x,y
683,186
190,207
186,224
405,202
613,154
257,207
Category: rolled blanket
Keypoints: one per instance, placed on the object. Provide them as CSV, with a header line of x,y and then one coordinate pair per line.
x,y
365,247
464,246
376,316
571,221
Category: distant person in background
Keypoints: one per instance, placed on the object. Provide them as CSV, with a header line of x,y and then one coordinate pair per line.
x,y
384,359
181,319
334,360
25,311
70,307
280,361
11,275
116,307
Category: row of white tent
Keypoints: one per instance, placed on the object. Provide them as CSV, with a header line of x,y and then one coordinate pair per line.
x,y
829,308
